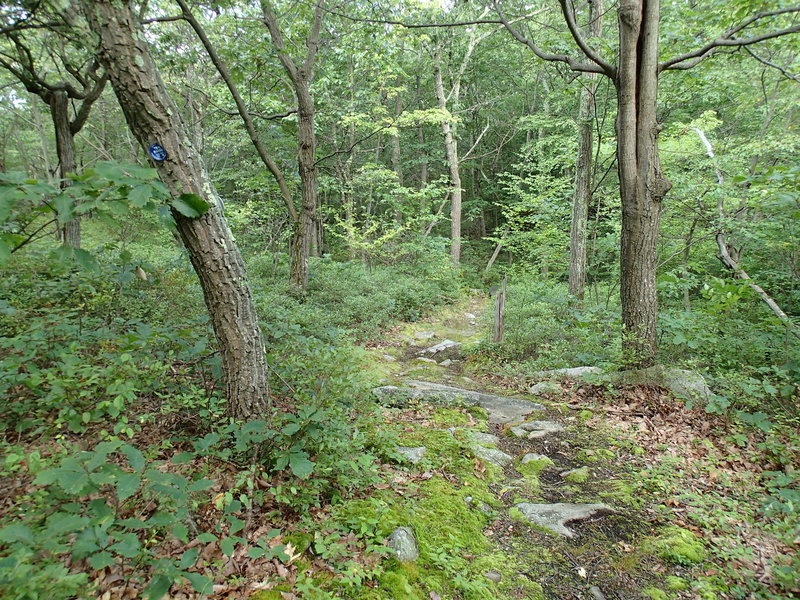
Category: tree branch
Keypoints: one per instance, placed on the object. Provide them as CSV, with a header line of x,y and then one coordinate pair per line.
x,y
727,39
568,10
764,61
573,64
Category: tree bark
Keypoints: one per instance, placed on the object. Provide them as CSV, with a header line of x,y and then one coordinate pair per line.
x,y
70,233
583,168
153,117
301,77
451,148
642,183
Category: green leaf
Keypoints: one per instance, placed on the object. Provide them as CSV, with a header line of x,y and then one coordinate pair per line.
x,y
127,485
140,195
158,588
16,533
200,485
128,545
189,558
190,205
227,545
256,552
135,458
236,524
101,560
300,465
200,583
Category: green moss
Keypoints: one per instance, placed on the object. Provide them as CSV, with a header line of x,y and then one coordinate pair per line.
x,y
397,586
533,468
478,412
267,595
596,455
676,583
449,417
585,415
678,546
516,514
300,540
655,594
578,475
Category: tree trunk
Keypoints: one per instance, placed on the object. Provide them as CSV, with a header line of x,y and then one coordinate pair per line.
x,y
583,168
70,233
153,117
642,184
451,148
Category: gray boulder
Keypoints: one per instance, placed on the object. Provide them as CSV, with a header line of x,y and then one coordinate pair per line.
x,y
404,544
555,516
684,384
442,351
491,455
538,429
501,409
425,335
484,439
545,387
570,373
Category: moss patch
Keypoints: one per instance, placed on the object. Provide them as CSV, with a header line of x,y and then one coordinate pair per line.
x,y
655,594
678,546
449,417
577,475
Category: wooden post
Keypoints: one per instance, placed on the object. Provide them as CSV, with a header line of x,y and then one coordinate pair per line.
x,y
500,313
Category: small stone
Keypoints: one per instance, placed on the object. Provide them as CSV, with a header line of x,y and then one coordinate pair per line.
x,y
576,475
446,363
485,439
425,335
404,544
494,576
470,316
538,429
422,359
467,380
412,454
555,516
389,358
596,593
496,457
481,506
443,350
544,388
519,432
531,457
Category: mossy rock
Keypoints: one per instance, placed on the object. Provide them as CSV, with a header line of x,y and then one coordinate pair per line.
x,y
675,583
577,475
678,546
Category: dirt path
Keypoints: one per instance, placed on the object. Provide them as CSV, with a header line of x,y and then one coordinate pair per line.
x,y
543,484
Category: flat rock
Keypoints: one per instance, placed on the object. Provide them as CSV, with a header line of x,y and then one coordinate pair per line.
x,y
495,576
538,429
501,409
555,516
519,432
412,454
389,358
496,457
422,359
545,387
446,363
484,438
571,373
404,544
682,383
425,335
442,351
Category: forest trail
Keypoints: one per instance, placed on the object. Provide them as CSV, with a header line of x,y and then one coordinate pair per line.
x,y
556,505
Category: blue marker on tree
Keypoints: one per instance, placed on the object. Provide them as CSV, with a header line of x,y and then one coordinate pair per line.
x,y
157,152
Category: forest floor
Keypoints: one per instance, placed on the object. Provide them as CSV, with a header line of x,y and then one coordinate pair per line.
x,y
595,494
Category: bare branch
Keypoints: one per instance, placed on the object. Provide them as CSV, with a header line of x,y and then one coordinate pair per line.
x,y
568,10
570,61
728,39
764,61
163,19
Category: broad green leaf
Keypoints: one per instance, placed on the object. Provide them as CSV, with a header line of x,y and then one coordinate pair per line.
x,y
200,485
200,583
190,205
227,546
134,456
189,558
101,560
127,485
140,195
158,587
16,533
300,465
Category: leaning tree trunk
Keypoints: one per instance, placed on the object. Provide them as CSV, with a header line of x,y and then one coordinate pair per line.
x,y
70,233
642,184
583,168
153,117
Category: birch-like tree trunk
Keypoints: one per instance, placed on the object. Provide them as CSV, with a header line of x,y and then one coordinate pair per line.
x,y
70,233
583,168
153,118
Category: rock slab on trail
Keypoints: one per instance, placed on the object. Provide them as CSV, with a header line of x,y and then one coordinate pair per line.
x,y
501,409
555,516
442,351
